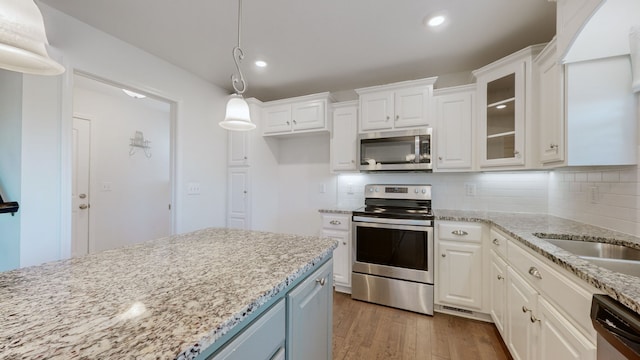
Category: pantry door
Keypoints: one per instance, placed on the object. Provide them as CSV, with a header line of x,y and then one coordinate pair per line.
x,y
80,186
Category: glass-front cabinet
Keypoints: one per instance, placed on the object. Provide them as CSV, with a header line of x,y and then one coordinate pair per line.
x,y
503,92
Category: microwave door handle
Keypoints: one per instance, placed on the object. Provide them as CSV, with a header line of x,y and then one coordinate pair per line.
x,y
417,149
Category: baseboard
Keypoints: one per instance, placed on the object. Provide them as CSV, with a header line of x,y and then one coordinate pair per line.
x,y
469,314
342,289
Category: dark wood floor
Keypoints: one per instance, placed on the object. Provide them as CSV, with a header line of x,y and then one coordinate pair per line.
x,y
368,331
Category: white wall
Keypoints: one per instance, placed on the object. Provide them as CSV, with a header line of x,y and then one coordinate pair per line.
x,y
10,174
200,143
135,206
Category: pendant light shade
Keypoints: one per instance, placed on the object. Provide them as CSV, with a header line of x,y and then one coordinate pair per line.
x,y
23,39
237,117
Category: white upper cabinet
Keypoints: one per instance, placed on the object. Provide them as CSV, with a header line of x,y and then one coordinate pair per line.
x,y
549,109
504,92
238,152
454,109
296,115
343,145
396,106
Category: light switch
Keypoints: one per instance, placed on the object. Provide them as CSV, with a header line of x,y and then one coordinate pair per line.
x,y
193,188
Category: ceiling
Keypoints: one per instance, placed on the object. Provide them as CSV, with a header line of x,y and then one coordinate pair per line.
x,y
322,45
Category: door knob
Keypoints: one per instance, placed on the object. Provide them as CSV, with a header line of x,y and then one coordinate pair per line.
x,y
83,206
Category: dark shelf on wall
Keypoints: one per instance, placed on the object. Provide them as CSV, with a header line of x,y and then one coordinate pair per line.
x,y
8,207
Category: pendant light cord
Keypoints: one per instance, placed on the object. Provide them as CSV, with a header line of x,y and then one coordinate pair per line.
x,y
238,55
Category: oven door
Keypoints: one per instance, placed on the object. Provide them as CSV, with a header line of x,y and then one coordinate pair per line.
x,y
395,248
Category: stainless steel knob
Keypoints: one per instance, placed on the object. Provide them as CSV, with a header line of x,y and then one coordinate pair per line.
x,y
294,122
460,232
82,196
83,206
388,118
397,117
496,242
535,273
344,243
321,281
533,319
335,222
525,309
500,277
288,123
444,255
440,158
245,158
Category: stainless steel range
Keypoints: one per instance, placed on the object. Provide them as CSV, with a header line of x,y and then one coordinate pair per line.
x,y
393,261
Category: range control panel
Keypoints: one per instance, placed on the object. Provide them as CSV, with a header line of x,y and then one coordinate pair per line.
x,y
385,191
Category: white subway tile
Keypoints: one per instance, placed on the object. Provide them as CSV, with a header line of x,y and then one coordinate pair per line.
x,y
594,177
581,177
611,176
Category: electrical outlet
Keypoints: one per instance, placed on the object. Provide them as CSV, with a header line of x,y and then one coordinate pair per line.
x,y
470,189
323,188
106,186
193,188
594,195
350,188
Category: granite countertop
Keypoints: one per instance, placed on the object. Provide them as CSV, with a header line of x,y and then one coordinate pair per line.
x,y
168,298
522,227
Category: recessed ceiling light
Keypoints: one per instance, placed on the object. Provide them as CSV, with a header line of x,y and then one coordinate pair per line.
x,y
133,94
436,20
501,106
261,63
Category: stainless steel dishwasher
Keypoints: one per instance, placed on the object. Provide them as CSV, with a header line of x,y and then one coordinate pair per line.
x,y
618,329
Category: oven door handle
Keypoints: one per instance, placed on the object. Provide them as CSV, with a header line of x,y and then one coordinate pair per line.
x,y
356,224
377,220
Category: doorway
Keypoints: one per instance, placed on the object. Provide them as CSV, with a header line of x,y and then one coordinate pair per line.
x,y
122,166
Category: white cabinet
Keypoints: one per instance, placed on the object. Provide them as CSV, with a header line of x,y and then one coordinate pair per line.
x,y
344,136
238,211
337,227
559,339
498,292
521,311
396,106
296,115
504,92
459,264
549,110
309,317
454,109
238,149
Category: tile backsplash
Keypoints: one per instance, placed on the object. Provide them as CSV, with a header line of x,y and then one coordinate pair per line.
x,y
607,197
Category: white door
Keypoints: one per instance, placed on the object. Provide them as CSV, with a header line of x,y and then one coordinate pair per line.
x,y
238,203
376,110
277,119
343,139
454,115
460,276
411,107
308,115
80,186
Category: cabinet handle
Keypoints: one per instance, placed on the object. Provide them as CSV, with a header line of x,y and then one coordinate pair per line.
x,y
440,158
535,273
444,255
335,222
460,232
344,243
321,281
388,118
397,117
83,206
533,319
496,242
500,277
245,158
288,123
294,122
524,309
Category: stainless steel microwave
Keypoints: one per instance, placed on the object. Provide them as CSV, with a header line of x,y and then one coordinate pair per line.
x,y
408,150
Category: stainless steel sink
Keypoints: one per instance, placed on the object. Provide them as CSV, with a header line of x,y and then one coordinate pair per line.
x,y
597,250
616,258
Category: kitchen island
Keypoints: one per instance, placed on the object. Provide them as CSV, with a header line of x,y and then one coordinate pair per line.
x,y
171,298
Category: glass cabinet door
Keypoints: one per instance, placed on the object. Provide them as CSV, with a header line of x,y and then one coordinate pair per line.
x,y
501,122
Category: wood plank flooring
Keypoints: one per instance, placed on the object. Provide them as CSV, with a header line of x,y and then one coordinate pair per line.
x,y
368,331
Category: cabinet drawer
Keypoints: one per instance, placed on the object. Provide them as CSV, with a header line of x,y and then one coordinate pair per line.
x,y
336,222
499,243
560,289
460,231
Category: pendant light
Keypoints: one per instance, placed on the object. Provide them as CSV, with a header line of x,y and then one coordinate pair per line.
x,y
23,39
237,116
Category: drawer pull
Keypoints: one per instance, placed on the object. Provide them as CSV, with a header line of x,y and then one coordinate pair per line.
x,y
496,242
534,319
534,272
459,232
335,222
344,243
500,277
524,309
321,281
444,255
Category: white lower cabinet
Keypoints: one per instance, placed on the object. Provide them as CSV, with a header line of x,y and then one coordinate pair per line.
x,y
337,227
459,264
498,293
521,304
547,312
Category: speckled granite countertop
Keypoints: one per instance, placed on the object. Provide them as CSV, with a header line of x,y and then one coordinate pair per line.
x,y
163,299
522,227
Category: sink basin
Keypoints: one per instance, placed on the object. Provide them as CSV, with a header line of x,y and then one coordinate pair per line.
x,y
597,250
616,258
629,267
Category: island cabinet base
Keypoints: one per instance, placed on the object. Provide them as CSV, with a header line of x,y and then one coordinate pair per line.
x,y
298,325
